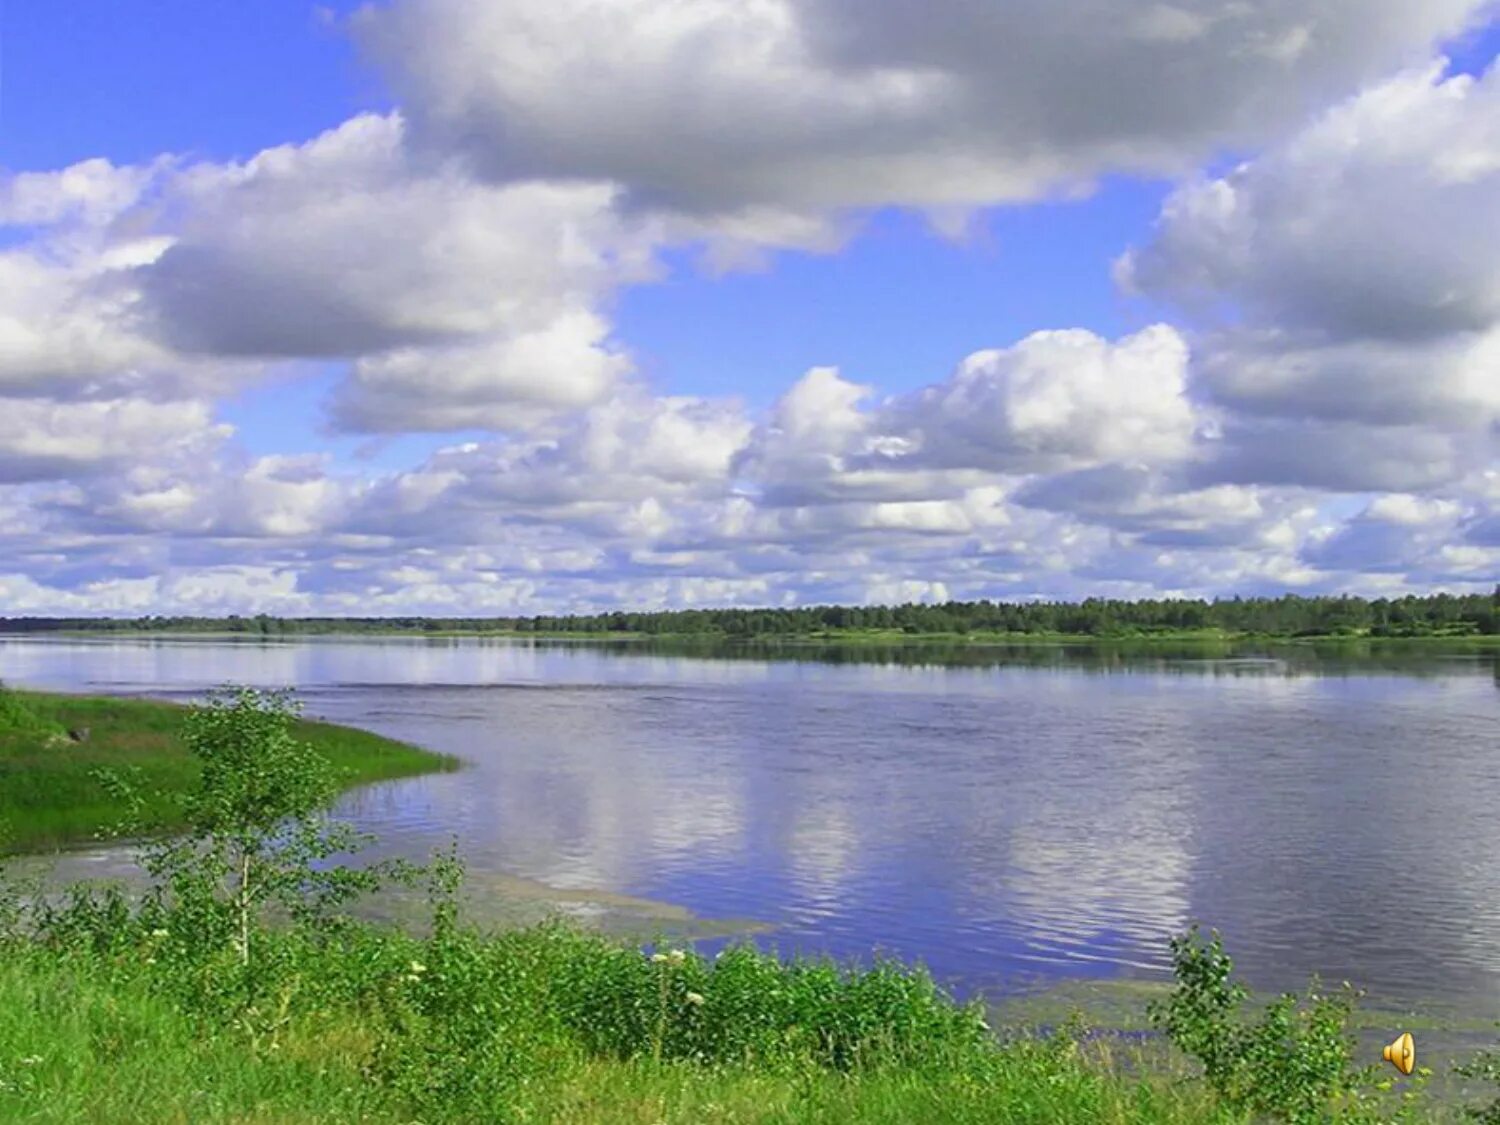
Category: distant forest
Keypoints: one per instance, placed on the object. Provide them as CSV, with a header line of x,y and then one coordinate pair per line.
x,y
1287,616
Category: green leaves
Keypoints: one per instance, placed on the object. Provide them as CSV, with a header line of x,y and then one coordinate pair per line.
x,y
255,773
256,831
1295,1062
1484,1066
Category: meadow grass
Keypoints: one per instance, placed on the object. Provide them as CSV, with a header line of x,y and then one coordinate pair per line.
x,y
546,1024
50,795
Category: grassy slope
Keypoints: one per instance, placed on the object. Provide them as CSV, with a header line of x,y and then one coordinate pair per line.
x,y
48,798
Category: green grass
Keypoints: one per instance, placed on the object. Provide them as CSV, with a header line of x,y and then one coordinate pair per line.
x,y
546,1024
112,1017
49,798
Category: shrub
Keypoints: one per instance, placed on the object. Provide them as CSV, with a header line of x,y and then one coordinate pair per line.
x,y
1295,1062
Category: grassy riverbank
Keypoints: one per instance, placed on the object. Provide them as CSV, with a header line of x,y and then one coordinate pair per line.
x,y
541,1025
113,1017
49,795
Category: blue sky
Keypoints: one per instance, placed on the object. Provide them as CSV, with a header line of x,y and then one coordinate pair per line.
x,y
530,309
212,77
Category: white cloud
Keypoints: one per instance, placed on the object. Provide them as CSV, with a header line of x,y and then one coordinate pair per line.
x,y
67,326
1447,382
1359,227
92,192
459,304
1350,312
1417,538
41,440
1058,399
714,106
341,246
1051,402
502,383
457,260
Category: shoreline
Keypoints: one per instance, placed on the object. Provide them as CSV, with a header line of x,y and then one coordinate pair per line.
x,y
52,802
844,638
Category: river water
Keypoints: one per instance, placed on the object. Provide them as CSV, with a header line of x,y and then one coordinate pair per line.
x,y
1007,816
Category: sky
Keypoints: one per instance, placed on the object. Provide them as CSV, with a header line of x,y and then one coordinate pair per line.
x,y
456,307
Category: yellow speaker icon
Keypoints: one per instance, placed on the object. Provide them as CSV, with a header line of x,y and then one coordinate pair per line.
x,y
1402,1053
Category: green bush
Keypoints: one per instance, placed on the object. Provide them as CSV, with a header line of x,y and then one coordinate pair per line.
x,y
1294,1062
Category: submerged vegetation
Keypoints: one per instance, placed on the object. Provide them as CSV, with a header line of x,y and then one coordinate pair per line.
x,y
199,1002
1436,615
53,747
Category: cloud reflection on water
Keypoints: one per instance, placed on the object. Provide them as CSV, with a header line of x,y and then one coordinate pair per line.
x,y
997,820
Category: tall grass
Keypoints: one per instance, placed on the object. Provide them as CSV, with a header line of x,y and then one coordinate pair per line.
x,y
118,1012
112,1022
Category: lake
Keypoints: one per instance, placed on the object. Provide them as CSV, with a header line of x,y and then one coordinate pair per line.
x,y
1008,816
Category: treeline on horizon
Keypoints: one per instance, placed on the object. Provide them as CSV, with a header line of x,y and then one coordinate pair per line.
x,y
1288,615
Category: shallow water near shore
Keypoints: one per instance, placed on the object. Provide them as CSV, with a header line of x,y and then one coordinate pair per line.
x,y
1013,819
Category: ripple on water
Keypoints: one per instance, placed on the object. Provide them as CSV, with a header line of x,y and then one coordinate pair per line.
x,y
1327,815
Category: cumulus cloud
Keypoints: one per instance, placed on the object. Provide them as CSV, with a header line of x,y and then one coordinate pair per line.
x,y
503,382
67,324
278,496
1408,536
1058,399
1161,508
457,304
1448,382
1348,316
1324,416
91,193
42,440
713,106
634,450
341,247
1055,401
1361,226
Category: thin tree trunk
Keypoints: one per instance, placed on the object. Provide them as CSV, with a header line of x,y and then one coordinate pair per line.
x,y
244,905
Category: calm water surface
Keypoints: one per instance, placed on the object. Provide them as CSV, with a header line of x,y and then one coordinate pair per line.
x,y
1056,816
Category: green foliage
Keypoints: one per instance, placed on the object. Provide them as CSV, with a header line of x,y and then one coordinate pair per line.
x,y
1485,1066
255,830
256,774
1286,616
1294,1062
